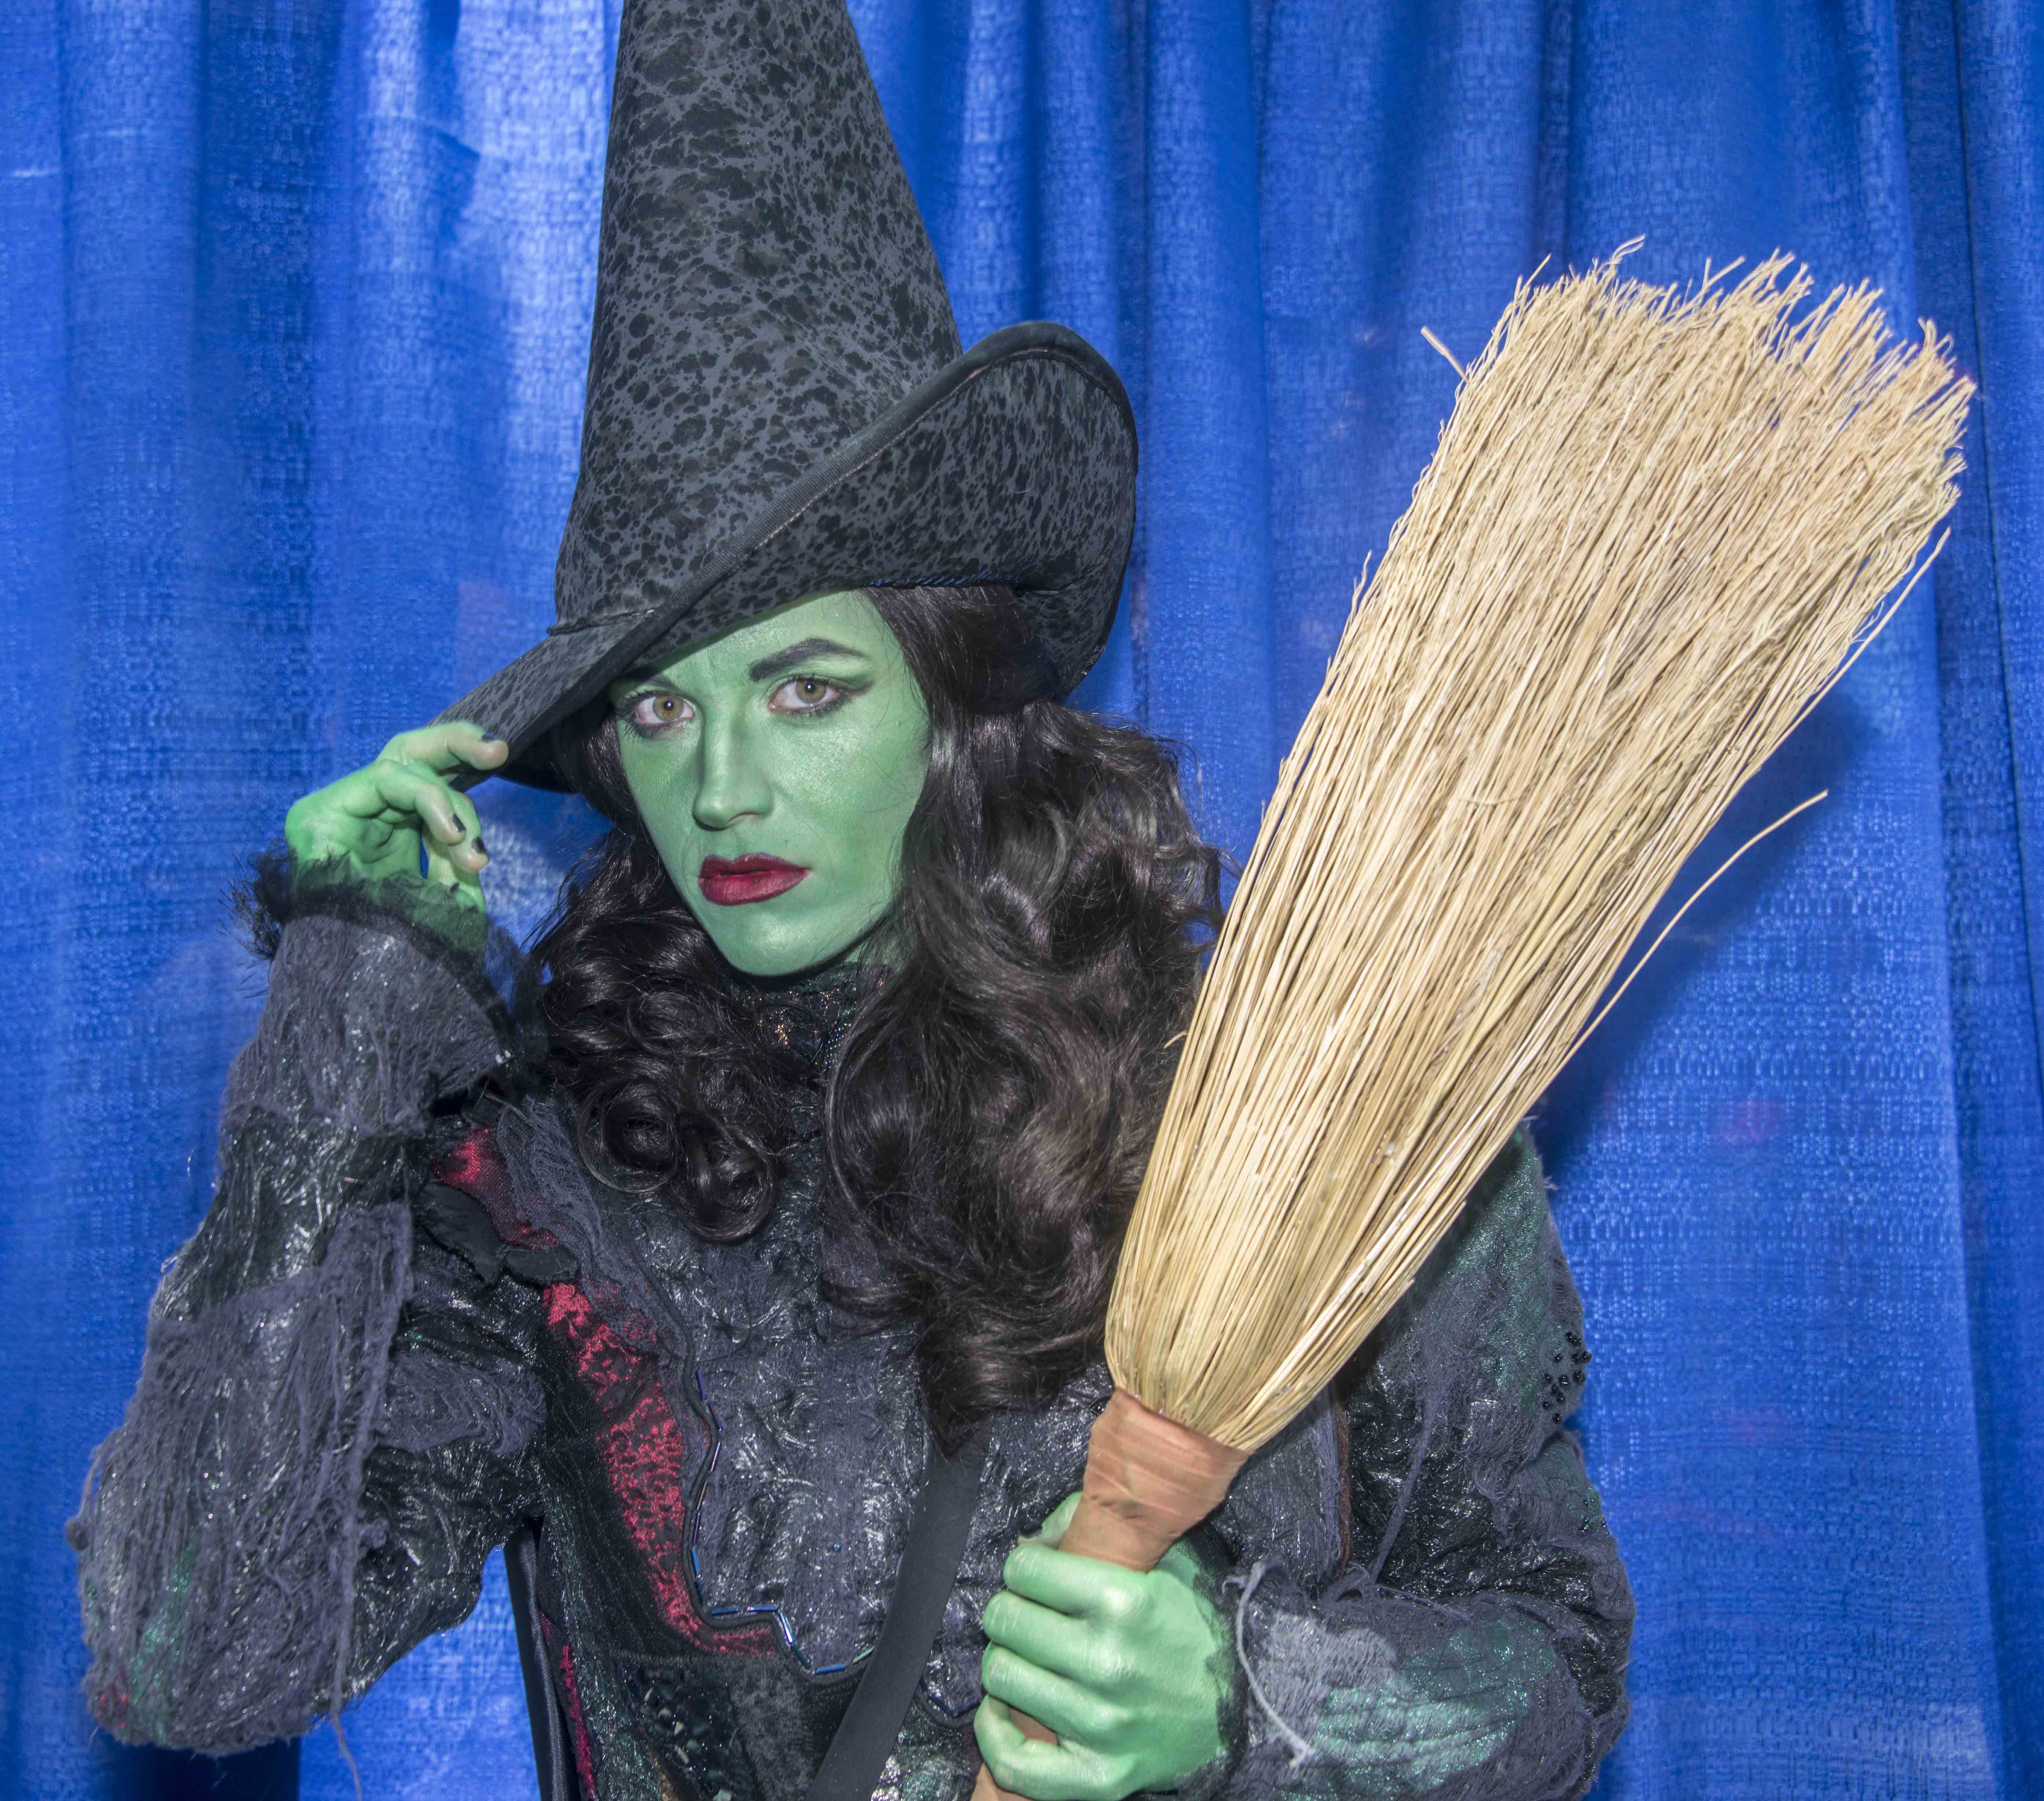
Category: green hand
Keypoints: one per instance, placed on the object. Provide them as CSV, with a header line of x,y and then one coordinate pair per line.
x,y
374,820
1126,1669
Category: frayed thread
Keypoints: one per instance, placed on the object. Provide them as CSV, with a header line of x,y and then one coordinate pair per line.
x,y
1302,1752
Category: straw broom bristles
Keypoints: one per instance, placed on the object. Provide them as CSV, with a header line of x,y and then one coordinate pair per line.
x,y
1653,530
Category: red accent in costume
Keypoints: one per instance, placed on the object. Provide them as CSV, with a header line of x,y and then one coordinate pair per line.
x,y
476,1168
640,1446
571,1701
643,1452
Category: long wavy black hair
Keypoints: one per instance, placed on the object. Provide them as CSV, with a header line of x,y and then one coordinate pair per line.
x,y
991,1105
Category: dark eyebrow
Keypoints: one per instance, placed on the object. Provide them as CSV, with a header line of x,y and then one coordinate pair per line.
x,y
799,652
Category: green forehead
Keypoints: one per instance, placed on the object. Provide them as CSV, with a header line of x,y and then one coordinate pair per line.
x,y
845,620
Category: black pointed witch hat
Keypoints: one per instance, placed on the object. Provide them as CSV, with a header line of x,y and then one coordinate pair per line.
x,y
777,402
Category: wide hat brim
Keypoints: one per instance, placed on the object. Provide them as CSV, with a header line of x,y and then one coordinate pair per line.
x,y
1015,464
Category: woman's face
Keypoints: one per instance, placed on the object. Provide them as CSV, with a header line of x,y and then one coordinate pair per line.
x,y
776,768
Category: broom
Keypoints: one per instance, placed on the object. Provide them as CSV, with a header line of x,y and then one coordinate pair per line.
x,y
1654,531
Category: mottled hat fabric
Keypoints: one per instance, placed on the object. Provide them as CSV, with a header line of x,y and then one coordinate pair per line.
x,y
778,402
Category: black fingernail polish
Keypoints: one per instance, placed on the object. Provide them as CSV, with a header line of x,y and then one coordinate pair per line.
x,y
479,845
491,738
460,830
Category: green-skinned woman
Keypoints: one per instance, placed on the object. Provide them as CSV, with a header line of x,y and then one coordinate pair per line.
x,y
792,1188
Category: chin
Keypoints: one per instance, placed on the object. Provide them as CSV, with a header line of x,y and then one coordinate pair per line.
x,y
773,962
773,950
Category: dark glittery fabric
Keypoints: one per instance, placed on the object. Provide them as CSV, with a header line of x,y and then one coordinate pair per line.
x,y
451,1328
777,404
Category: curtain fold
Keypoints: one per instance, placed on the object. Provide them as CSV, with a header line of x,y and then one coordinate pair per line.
x,y
1974,96
293,306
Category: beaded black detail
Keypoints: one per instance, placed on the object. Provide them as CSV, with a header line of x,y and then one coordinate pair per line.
x,y
692,1730
1562,1382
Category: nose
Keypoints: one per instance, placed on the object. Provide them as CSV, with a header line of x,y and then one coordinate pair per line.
x,y
733,783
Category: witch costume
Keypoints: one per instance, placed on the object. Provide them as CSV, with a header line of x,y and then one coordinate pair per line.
x,y
414,1326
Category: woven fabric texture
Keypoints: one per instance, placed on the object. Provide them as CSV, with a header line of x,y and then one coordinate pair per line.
x,y
294,306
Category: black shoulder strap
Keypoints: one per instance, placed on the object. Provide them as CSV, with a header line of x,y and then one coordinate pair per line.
x,y
935,1544
550,1737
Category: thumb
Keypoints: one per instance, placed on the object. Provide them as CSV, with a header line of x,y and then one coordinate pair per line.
x,y
1052,1531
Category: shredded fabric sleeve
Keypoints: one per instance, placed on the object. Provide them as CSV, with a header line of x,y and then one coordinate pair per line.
x,y
1475,1648
332,1422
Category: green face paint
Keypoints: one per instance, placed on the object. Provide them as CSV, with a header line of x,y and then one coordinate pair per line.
x,y
776,768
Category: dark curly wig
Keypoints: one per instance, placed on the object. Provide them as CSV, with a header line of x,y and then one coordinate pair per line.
x,y
992,1104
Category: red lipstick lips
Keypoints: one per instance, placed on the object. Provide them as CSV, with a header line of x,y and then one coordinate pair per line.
x,y
734,881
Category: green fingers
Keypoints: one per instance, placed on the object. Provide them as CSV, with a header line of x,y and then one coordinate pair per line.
x,y
382,821
1122,1666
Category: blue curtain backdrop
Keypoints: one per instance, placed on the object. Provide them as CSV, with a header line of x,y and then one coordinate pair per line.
x,y
295,302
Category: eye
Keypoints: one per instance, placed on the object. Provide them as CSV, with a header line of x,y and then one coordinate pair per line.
x,y
805,693
656,710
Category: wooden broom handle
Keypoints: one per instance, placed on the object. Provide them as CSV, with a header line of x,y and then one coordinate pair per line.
x,y
1148,1481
